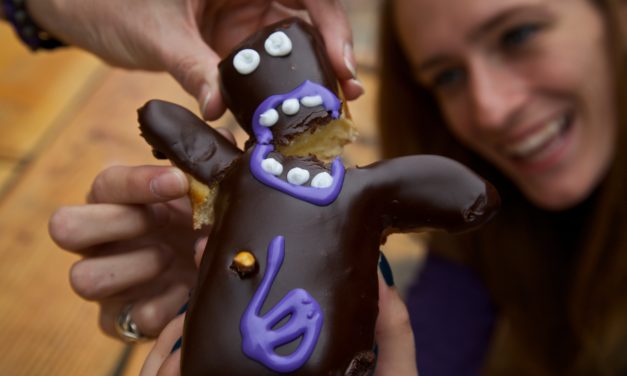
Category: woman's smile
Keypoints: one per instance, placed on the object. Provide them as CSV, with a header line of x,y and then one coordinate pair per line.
x,y
542,147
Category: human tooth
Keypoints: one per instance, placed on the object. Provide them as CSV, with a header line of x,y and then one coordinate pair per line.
x,y
246,61
278,44
531,143
269,118
272,166
297,176
311,101
322,180
290,106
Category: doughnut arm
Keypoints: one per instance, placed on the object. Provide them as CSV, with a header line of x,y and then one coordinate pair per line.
x,y
188,142
426,192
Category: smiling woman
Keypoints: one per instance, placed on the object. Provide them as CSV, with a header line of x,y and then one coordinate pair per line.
x,y
524,91
513,85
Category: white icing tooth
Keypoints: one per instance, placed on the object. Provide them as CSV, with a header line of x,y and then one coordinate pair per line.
x,y
297,176
269,118
311,101
246,61
278,44
322,180
272,166
290,106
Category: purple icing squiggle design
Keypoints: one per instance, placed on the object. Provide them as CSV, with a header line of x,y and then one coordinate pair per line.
x,y
259,339
317,196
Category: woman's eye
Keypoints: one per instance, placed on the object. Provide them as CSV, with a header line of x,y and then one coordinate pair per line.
x,y
448,78
519,35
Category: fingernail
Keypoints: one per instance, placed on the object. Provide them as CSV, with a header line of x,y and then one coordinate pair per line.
x,y
386,270
183,309
200,244
170,184
207,92
358,83
177,345
205,96
349,59
375,350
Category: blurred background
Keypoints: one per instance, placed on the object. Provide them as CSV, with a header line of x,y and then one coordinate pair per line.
x,y
64,116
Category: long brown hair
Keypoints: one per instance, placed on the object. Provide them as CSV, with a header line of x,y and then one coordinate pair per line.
x,y
559,279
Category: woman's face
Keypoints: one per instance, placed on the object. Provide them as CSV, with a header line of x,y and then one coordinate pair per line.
x,y
524,83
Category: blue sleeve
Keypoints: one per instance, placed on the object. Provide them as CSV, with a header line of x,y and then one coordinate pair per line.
x,y
452,317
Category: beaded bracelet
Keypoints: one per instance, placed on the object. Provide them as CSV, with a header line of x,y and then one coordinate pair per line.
x,y
25,27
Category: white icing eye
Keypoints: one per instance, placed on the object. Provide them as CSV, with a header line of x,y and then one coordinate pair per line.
x,y
272,166
311,101
290,106
269,118
278,44
246,61
297,176
322,180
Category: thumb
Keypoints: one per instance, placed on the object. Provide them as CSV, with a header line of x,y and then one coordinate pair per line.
x,y
394,336
195,66
331,19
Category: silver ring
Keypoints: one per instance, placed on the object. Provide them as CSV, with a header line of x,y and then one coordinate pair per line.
x,y
126,327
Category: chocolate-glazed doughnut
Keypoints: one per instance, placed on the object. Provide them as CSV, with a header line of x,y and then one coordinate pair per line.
x,y
288,280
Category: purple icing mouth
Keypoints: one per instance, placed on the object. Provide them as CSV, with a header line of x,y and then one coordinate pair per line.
x,y
260,339
318,196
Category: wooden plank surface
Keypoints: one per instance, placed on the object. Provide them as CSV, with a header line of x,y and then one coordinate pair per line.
x,y
40,318
36,90
6,172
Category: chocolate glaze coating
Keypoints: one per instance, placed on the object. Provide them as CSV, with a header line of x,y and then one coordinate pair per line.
x,y
279,75
192,145
330,251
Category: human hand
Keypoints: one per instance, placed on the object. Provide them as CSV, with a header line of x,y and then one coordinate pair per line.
x,y
127,257
187,37
393,335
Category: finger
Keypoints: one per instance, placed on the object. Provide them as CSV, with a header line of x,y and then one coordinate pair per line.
x,y
76,228
330,18
109,312
172,365
352,89
152,315
195,66
111,308
163,347
227,134
138,185
394,335
97,278
210,101
282,9
199,250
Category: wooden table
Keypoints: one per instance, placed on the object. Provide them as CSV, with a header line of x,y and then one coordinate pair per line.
x,y
64,116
